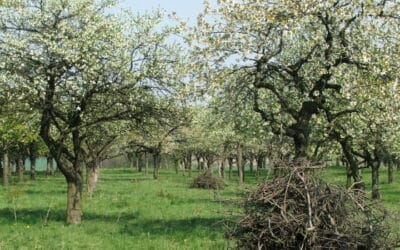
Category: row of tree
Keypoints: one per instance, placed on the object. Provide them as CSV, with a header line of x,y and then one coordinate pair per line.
x,y
253,80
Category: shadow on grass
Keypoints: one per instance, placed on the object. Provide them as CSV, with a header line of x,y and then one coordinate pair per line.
x,y
46,192
183,227
41,216
124,178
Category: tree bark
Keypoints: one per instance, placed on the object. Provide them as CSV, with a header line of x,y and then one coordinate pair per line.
x,y
230,163
260,163
198,158
74,202
351,161
137,163
188,163
20,167
32,159
156,164
222,168
209,162
251,165
348,174
141,162
6,167
240,164
147,164
375,181
92,175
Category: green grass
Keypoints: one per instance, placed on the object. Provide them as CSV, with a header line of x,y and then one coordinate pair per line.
x,y
130,210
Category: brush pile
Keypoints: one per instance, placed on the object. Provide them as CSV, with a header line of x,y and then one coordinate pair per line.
x,y
296,210
207,181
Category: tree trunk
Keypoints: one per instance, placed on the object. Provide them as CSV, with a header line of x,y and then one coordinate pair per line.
x,y
390,172
251,165
92,176
188,164
348,175
353,164
209,162
375,181
74,202
230,163
50,166
176,165
240,164
198,158
147,164
33,167
20,167
260,163
156,164
140,162
222,168
6,167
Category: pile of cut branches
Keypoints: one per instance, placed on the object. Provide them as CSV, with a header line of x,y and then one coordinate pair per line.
x,y
207,181
296,210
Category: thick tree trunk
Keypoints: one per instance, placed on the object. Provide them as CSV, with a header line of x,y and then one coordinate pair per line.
x,y
50,166
20,167
33,167
6,167
375,181
240,164
390,172
74,202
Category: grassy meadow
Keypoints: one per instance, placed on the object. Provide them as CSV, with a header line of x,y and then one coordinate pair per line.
x,y
130,210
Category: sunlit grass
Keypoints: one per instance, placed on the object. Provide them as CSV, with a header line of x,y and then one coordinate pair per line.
x,y
130,210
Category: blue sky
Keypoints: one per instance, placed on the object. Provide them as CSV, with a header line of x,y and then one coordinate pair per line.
x,y
186,9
